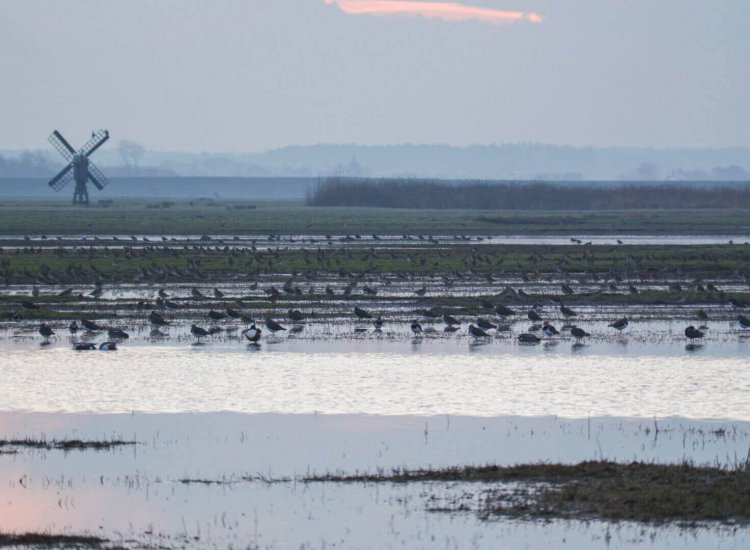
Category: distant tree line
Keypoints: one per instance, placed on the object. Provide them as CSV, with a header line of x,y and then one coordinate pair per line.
x,y
479,195
28,164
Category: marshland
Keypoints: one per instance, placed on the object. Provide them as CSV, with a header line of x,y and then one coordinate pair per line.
x,y
344,424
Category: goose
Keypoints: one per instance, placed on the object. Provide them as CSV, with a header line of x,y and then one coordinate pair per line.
x,y
620,324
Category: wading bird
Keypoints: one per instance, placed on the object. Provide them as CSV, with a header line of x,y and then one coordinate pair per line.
x,y
549,330
693,333
273,326
578,333
620,324
477,332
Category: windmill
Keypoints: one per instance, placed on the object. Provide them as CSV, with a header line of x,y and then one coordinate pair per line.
x,y
79,167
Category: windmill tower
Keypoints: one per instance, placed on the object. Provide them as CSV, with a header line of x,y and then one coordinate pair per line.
x,y
79,169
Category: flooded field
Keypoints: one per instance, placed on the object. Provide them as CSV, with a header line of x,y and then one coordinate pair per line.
x,y
366,363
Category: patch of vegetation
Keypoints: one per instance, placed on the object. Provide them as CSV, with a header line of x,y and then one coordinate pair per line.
x,y
9,445
50,540
637,491
510,195
246,218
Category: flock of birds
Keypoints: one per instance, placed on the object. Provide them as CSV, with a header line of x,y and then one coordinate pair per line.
x,y
254,332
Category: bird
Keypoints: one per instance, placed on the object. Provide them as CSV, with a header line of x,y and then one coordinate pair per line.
x,y
477,332
91,325
198,332
693,333
504,311
196,293
233,313
578,333
273,326
84,346
534,316
743,322
416,328
528,338
252,334
296,315
567,312
117,334
484,324
73,327
26,304
108,346
361,313
620,324
157,320
549,330
218,293
378,323
450,320
46,331
215,315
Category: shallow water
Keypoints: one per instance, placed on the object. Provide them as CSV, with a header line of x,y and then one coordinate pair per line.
x,y
382,375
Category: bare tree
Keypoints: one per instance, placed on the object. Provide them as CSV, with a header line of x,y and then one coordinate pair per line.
x,y
131,152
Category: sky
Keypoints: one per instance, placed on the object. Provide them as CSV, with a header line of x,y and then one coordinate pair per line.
x,y
252,75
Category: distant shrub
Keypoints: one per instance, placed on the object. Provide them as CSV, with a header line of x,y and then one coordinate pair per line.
x,y
478,195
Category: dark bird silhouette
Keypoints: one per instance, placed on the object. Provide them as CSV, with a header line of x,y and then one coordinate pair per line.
x,y
108,346
361,313
567,312
27,304
378,323
117,334
743,322
91,325
528,338
578,333
534,316
484,324
477,332
549,330
416,328
84,346
504,311
73,327
620,324
296,315
157,320
198,332
693,333
216,315
46,331
450,320
273,326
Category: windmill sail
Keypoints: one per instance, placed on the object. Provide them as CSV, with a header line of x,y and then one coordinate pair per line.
x,y
62,146
97,177
63,178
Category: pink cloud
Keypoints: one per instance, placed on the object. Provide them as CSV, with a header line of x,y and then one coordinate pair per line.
x,y
446,11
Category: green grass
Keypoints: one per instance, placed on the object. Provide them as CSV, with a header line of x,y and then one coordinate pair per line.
x,y
652,493
242,217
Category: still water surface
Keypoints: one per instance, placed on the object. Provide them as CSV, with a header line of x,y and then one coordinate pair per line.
x,y
389,377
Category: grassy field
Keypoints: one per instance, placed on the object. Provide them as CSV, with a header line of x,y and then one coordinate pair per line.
x,y
237,217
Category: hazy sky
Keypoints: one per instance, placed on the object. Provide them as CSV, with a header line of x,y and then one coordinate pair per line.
x,y
248,75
